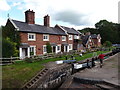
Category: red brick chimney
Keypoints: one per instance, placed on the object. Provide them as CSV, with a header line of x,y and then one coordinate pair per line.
x,y
47,21
30,17
87,33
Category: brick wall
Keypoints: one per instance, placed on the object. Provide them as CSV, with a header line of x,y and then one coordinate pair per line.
x,y
97,44
39,41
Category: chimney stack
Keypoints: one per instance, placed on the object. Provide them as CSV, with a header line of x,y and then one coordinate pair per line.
x,y
87,33
47,21
30,17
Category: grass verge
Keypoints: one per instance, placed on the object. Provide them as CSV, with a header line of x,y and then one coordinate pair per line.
x,y
15,75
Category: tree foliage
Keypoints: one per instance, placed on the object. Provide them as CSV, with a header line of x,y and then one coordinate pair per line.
x,y
109,31
8,48
107,44
91,30
49,48
9,32
10,41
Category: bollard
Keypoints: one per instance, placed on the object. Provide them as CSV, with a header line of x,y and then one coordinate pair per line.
x,y
66,58
72,57
88,64
93,63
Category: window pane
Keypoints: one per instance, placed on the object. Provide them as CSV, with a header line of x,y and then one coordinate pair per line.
x,y
43,37
31,49
46,37
32,36
29,36
58,47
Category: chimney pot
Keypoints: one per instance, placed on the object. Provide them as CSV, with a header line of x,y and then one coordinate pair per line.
x,y
47,21
30,17
87,33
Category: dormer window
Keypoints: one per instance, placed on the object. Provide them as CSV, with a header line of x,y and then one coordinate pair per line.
x,y
31,36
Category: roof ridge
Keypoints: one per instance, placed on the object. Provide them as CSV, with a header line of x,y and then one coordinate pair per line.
x,y
32,24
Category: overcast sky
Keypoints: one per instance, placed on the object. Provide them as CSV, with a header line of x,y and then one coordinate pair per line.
x,y
72,13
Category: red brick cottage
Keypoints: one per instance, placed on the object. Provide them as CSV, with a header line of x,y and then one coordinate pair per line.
x,y
34,37
91,40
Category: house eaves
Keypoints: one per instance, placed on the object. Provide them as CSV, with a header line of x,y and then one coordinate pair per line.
x,y
16,28
63,29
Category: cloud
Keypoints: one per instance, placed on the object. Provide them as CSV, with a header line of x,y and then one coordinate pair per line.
x,y
72,17
4,6
16,4
73,12
3,21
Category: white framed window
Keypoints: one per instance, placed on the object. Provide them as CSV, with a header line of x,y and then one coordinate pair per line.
x,y
70,46
58,48
76,37
99,40
90,40
63,38
70,37
31,36
32,50
45,37
44,49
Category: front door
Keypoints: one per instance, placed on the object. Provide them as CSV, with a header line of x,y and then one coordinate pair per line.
x,y
62,48
54,49
66,49
24,52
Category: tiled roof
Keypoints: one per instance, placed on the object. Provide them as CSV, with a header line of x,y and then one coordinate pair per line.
x,y
85,39
70,30
34,28
94,36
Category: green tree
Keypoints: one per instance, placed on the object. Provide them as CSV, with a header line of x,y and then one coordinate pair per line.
x,y
107,44
10,36
108,31
91,30
49,48
9,32
8,48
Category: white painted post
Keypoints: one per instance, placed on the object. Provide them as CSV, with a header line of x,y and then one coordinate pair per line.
x,y
55,49
28,51
68,48
34,50
52,49
20,53
64,49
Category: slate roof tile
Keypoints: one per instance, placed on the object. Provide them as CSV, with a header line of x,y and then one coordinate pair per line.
x,y
34,28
